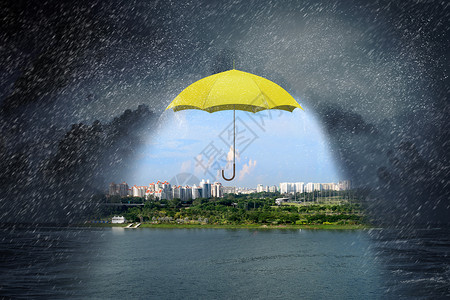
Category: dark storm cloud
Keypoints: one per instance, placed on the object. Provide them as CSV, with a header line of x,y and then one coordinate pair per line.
x,y
63,184
340,121
87,152
224,61
49,174
400,154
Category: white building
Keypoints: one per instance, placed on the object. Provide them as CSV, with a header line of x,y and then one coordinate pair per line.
x,y
279,201
147,193
196,192
317,186
273,189
328,186
299,187
344,185
158,195
139,191
118,189
176,192
259,188
286,188
206,188
217,190
112,189
229,190
245,190
291,187
311,187
118,220
186,193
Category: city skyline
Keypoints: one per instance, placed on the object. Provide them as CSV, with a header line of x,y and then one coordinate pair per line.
x,y
206,189
164,190
274,146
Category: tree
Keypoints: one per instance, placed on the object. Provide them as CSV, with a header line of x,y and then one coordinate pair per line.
x,y
134,214
175,203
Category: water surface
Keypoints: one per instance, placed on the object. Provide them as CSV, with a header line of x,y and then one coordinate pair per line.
x,y
216,264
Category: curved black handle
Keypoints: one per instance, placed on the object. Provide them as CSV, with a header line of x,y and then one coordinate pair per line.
x,y
234,173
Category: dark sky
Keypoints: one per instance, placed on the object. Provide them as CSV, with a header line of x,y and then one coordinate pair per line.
x,y
375,73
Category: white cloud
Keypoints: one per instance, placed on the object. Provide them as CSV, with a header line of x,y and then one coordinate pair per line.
x,y
202,166
186,166
198,169
247,168
230,157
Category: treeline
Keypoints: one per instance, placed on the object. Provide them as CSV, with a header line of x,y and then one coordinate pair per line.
x,y
236,209
316,196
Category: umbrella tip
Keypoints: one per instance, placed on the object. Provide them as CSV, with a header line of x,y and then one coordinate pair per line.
x,y
233,65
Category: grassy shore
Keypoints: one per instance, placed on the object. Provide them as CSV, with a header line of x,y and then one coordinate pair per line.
x,y
239,226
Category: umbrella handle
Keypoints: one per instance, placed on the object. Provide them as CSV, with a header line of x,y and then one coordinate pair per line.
x,y
234,173
234,147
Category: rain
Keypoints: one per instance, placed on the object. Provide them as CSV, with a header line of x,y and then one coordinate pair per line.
x,y
83,84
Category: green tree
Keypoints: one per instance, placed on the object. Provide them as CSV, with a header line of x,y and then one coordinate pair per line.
x,y
175,203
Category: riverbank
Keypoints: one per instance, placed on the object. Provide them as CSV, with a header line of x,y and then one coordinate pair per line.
x,y
238,226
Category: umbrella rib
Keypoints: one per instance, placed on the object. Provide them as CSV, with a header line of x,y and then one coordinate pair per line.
x,y
264,97
209,92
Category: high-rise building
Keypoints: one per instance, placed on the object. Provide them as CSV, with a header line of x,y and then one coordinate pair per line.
x,y
273,189
259,188
328,186
206,188
123,189
142,190
196,192
317,186
120,189
285,187
182,193
229,190
291,187
113,189
158,195
311,187
299,187
139,191
217,190
166,191
176,194
344,185
135,190
187,195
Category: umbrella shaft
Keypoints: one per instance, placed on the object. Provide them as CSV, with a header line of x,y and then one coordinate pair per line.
x,y
234,136
234,149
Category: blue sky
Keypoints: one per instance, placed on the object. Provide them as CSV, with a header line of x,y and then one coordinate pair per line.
x,y
272,147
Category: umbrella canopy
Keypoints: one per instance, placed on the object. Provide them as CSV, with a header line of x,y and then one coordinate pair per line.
x,y
232,90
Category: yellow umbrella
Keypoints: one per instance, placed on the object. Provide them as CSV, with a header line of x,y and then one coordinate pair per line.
x,y
234,90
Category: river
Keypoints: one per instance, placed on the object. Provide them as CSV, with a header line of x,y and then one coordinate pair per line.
x,y
222,264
